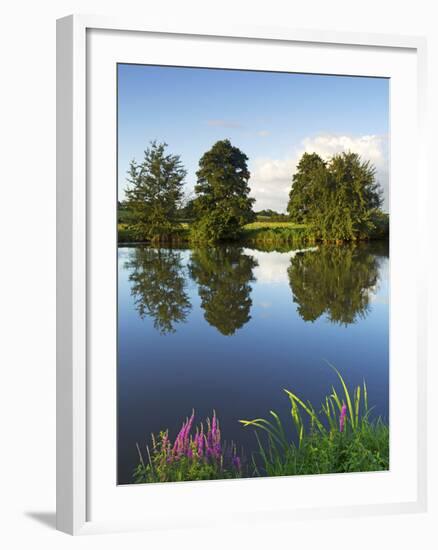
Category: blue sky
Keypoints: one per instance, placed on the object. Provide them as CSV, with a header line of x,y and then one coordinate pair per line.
x,y
272,117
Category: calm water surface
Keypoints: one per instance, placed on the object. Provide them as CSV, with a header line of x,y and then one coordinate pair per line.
x,y
227,328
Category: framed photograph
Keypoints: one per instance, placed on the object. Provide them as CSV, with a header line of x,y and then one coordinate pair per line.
x,y
241,295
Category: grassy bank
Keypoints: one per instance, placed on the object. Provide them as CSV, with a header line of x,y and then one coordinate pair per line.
x,y
179,236
266,235
340,437
257,233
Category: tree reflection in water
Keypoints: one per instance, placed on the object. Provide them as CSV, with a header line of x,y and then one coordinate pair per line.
x,y
158,286
223,275
337,281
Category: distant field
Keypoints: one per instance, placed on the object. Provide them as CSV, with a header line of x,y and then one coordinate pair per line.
x,y
273,225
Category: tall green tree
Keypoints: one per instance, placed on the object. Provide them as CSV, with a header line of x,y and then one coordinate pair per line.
x,y
355,197
311,172
222,202
155,193
339,200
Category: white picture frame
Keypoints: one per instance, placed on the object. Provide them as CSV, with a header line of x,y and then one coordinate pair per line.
x,y
76,434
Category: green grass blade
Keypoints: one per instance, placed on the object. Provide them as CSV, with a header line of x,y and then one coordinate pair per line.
x,y
336,398
280,428
357,405
264,425
365,396
310,412
347,396
296,417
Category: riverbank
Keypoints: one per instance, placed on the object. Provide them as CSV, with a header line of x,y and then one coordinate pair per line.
x,y
337,437
259,233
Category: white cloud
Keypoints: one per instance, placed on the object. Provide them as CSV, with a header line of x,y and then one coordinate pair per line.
x,y
271,178
263,133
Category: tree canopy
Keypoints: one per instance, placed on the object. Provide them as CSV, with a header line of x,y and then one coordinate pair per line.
x,y
310,174
339,199
155,193
222,203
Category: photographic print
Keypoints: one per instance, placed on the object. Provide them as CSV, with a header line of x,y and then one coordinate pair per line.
x,y
253,274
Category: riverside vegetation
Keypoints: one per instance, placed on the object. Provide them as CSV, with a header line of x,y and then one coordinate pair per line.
x,y
340,437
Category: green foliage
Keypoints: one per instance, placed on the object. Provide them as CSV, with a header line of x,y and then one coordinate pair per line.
x,y
187,212
270,236
185,469
310,175
124,214
201,456
222,203
260,224
124,234
271,216
155,194
336,281
333,201
158,286
380,221
323,443
339,199
224,275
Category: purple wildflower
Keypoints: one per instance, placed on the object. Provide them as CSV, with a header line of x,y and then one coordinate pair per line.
x,y
178,447
189,426
200,442
342,417
213,439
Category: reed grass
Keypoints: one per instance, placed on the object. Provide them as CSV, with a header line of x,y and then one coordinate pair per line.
x,y
340,437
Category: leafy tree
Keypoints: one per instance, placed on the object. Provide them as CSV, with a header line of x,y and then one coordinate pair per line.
x,y
336,281
309,176
159,287
222,203
155,193
355,197
224,275
339,200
